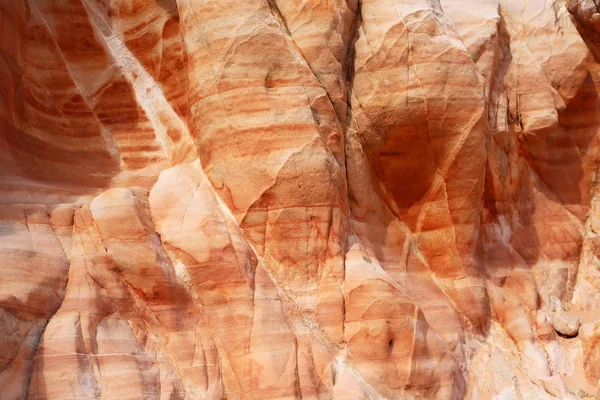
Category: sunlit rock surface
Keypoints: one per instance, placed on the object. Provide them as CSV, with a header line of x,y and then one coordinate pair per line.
x,y
284,199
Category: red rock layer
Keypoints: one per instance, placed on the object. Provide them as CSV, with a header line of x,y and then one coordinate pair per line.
x,y
298,199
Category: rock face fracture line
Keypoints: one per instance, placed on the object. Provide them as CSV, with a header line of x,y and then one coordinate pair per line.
x,y
147,91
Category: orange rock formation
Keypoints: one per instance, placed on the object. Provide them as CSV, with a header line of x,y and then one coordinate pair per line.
x,y
283,199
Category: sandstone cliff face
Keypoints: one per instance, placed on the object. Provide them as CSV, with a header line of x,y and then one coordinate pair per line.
x,y
282,199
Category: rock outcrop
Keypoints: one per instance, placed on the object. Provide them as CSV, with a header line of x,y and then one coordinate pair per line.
x,y
283,199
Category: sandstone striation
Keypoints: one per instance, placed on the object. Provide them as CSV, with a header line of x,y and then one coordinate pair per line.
x,y
284,199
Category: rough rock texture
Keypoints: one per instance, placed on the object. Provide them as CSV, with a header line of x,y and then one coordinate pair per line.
x,y
282,199
566,324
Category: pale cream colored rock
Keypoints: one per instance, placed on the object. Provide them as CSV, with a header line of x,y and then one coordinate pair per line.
x,y
566,323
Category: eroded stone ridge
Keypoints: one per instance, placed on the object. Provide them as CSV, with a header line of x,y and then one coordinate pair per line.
x,y
284,199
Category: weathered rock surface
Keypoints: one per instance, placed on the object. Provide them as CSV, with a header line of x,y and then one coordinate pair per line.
x,y
566,324
282,199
